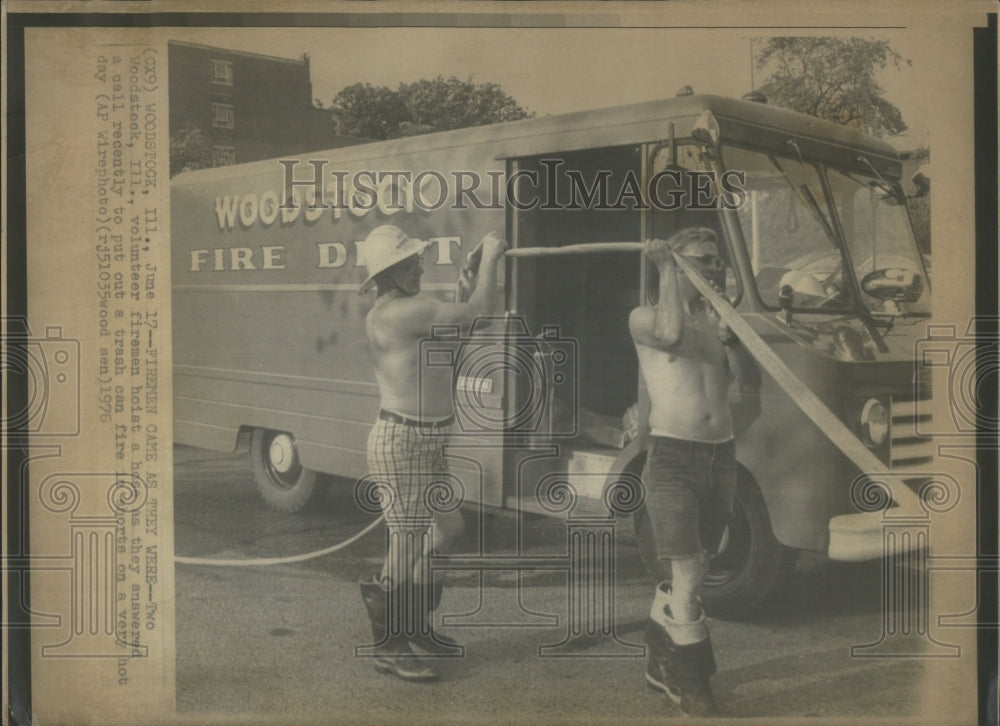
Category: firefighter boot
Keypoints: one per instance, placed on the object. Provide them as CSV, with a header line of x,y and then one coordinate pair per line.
x,y
682,671
657,649
420,632
392,652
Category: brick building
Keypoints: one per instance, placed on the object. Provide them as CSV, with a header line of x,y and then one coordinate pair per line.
x,y
247,105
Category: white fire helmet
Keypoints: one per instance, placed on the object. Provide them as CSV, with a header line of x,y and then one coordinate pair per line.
x,y
384,247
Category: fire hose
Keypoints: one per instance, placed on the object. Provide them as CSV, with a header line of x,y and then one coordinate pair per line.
x,y
265,561
803,397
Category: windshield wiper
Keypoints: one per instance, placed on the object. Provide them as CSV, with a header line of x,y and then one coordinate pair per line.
x,y
885,187
809,201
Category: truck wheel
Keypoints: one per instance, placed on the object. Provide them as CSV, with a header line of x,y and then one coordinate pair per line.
x,y
750,561
282,481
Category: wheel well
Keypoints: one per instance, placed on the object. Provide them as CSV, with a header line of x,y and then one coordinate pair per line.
x,y
744,475
243,439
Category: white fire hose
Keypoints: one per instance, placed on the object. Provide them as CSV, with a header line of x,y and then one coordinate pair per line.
x,y
810,404
265,561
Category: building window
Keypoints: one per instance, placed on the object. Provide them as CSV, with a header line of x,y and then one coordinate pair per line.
x,y
223,116
222,72
223,155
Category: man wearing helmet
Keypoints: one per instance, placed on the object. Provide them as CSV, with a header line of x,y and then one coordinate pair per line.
x,y
405,446
688,358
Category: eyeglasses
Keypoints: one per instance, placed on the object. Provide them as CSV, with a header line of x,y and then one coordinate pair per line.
x,y
709,262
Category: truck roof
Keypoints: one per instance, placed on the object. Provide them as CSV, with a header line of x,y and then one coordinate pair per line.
x,y
740,121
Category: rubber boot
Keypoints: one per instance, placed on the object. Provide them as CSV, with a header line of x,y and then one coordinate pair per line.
x,y
426,599
392,652
682,672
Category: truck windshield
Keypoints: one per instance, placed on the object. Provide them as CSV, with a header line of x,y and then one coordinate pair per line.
x,y
879,236
787,226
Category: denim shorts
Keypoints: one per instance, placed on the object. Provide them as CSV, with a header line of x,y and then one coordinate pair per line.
x,y
690,486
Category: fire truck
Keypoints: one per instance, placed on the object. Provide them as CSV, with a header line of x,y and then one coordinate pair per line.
x,y
270,352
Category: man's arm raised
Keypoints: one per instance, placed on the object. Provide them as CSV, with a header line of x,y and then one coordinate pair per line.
x,y
483,300
742,367
662,326
419,314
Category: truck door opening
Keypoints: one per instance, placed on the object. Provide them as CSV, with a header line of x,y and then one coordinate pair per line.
x,y
589,297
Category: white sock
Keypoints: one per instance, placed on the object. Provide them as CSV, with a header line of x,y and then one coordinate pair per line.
x,y
661,599
687,632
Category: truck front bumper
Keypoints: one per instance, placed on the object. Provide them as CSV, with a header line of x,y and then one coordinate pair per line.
x,y
859,537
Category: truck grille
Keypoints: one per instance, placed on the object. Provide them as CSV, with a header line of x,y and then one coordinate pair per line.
x,y
909,450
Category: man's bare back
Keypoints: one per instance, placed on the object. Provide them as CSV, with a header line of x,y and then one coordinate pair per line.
x,y
406,388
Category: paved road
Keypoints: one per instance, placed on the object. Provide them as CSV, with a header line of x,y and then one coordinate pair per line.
x,y
277,643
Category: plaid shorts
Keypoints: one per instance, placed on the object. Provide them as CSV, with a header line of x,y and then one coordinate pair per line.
x,y
408,460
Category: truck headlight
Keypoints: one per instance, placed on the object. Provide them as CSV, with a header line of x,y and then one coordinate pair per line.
x,y
874,422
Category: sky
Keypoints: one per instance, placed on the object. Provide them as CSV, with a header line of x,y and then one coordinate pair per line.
x,y
548,71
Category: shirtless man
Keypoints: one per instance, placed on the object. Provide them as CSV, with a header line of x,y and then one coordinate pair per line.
x,y
405,447
687,360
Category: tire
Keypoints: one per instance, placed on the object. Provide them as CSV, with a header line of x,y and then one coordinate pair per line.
x,y
750,561
283,483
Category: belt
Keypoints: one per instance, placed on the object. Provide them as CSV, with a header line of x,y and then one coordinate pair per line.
x,y
396,418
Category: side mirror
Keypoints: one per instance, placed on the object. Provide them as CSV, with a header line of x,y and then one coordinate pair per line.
x,y
922,184
706,130
785,297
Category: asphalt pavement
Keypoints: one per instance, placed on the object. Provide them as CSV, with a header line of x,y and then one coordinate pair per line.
x,y
277,644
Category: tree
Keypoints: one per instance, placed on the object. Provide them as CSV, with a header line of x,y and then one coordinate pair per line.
x,y
833,79
371,112
421,107
189,150
444,104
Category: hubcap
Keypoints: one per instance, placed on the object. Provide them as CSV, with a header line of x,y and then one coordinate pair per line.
x,y
282,453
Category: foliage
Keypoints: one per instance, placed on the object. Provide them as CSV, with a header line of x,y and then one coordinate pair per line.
x,y
832,78
421,107
371,112
189,150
